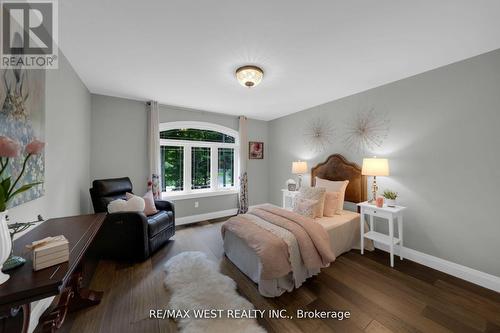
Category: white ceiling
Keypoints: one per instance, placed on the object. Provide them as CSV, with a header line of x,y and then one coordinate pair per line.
x,y
184,52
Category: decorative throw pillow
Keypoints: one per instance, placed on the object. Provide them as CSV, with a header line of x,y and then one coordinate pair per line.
x,y
134,204
334,186
305,207
149,203
313,193
331,204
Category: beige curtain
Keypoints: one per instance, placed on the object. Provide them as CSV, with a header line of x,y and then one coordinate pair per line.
x,y
154,147
243,195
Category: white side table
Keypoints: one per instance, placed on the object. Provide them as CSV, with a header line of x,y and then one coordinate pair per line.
x,y
288,198
390,214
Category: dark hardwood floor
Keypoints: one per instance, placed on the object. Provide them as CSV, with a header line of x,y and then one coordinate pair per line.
x,y
408,298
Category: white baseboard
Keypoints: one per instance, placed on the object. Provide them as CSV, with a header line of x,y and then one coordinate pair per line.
x,y
206,216
462,272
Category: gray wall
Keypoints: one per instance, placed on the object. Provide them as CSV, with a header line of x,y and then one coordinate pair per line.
x,y
119,140
443,152
67,134
258,170
119,148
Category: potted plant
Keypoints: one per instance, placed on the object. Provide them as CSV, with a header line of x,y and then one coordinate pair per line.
x,y
10,188
390,197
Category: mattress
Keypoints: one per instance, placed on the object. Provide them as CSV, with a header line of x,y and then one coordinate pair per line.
x,y
344,234
343,230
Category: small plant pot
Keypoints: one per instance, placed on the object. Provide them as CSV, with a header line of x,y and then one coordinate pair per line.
x,y
390,202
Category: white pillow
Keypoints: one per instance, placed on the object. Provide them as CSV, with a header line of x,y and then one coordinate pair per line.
x,y
334,186
134,204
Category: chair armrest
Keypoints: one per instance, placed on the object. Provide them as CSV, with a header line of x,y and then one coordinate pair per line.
x,y
126,229
165,205
128,217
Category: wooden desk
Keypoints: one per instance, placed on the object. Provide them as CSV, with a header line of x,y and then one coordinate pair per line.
x,y
63,280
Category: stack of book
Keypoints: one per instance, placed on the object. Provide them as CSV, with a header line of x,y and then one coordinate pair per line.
x,y
49,251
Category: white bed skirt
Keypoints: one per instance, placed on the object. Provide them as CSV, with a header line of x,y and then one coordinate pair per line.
x,y
249,263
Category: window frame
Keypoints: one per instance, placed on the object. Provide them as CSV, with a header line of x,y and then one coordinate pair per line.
x,y
187,145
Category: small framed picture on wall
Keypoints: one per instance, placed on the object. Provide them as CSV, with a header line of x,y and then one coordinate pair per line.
x,y
255,150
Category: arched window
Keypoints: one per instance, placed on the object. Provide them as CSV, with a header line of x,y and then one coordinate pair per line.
x,y
198,157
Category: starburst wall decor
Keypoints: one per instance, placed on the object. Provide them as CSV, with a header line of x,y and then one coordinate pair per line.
x,y
366,131
319,134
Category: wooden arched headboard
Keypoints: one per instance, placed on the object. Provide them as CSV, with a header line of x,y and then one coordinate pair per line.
x,y
336,167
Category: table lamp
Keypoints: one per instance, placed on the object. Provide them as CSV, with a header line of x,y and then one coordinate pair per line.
x,y
375,167
299,168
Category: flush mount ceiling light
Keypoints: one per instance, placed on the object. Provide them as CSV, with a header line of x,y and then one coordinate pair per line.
x,y
249,76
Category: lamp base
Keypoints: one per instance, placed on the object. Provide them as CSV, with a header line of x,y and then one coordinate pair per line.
x,y
374,190
300,182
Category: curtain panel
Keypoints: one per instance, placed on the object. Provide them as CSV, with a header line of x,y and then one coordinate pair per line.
x,y
243,195
154,148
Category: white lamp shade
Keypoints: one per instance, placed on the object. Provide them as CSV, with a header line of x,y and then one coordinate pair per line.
x,y
299,167
375,167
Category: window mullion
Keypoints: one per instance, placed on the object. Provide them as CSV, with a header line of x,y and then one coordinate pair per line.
x,y
214,161
187,168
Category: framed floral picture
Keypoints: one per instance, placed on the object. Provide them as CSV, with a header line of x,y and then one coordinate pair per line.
x,y
22,119
256,150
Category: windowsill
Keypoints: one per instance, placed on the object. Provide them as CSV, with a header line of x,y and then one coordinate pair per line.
x,y
183,196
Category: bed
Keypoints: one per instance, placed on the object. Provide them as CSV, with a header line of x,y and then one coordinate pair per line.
x,y
343,231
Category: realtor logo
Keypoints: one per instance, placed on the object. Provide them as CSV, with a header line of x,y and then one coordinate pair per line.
x,y
29,34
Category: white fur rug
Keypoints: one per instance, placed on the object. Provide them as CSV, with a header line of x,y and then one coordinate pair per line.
x,y
197,284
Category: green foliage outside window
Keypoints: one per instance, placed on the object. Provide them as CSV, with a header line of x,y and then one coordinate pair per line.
x,y
173,167
193,134
172,158
226,167
200,167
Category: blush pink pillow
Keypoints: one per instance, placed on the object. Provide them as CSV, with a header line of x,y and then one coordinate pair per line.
x,y
334,186
149,201
331,207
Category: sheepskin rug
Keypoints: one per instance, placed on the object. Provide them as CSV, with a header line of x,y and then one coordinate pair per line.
x,y
196,283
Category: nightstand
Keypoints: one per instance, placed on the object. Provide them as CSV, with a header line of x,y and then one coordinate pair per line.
x,y
288,198
390,214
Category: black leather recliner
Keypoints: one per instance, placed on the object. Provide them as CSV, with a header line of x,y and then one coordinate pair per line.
x,y
129,235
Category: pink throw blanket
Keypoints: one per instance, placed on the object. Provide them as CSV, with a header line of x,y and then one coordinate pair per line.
x,y
312,238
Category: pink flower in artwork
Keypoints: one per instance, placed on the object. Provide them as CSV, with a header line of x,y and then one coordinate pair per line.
x,y
35,147
8,147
